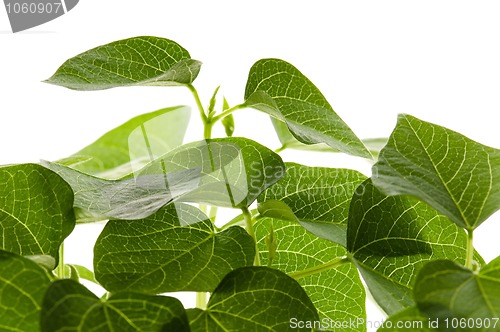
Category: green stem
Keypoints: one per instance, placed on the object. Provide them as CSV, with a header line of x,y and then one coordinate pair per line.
x,y
207,131
333,264
227,112
281,148
212,214
203,115
249,227
60,266
469,259
201,300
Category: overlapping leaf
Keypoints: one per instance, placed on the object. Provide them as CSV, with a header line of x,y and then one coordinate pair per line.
x,y
69,306
282,91
317,197
22,286
392,237
130,146
228,172
450,297
456,175
141,60
175,249
336,291
288,141
408,320
254,299
36,210
444,289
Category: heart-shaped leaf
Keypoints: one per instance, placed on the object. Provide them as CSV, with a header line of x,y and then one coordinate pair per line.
x,y
141,60
317,197
254,299
36,210
69,306
132,145
331,282
228,172
408,320
282,91
175,249
445,291
22,286
456,175
392,237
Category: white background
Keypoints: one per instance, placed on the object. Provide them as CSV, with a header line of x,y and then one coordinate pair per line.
x,y
437,60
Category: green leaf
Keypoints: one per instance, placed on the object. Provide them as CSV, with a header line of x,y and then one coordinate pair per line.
x,y
392,237
22,286
84,273
228,121
134,61
69,306
228,172
317,197
457,176
48,262
176,249
333,286
288,141
254,299
213,100
282,91
408,320
132,145
445,289
36,210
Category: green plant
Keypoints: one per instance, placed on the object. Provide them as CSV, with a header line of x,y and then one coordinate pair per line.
x,y
293,260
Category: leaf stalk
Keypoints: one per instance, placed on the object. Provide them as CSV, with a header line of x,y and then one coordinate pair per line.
x,y
60,266
469,259
249,227
201,300
333,264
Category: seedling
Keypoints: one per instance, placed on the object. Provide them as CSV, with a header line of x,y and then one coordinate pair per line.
x,y
304,238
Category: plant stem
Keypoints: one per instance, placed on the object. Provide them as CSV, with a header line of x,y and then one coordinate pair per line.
x,y
60,266
198,103
207,131
249,227
227,112
281,148
201,300
469,259
333,264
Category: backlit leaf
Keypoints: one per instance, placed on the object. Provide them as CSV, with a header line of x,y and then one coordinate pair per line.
x,y
141,60
36,210
446,290
22,286
318,197
174,249
130,146
228,172
69,306
408,320
456,175
392,237
254,299
282,91
336,291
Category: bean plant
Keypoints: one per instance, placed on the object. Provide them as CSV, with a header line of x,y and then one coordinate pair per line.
x,y
306,246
